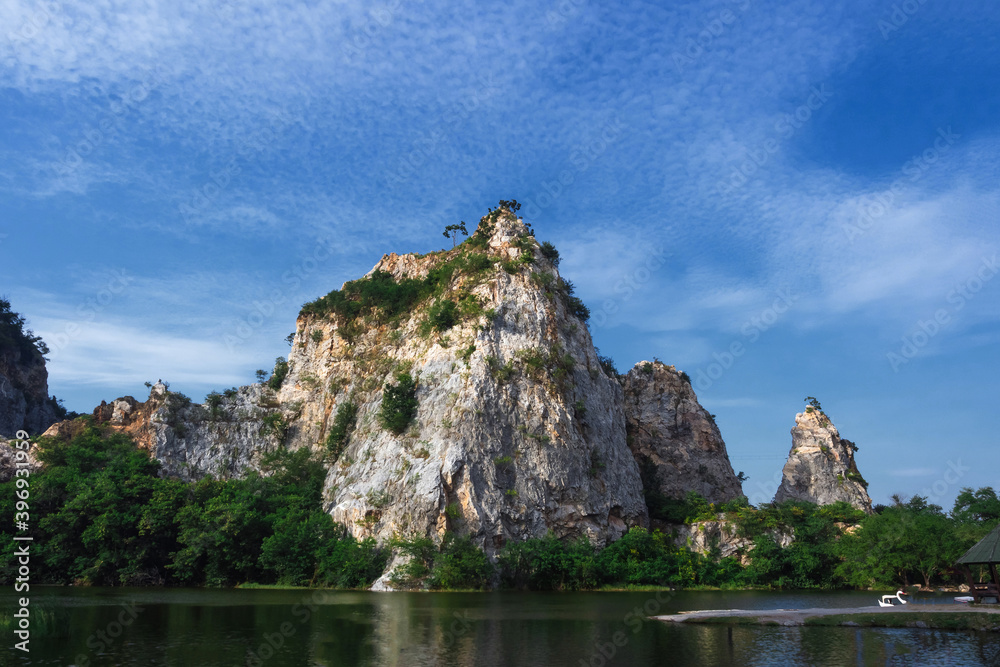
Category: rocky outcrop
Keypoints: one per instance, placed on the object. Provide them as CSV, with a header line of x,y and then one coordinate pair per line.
x,y
821,466
11,455
721,539
226,437
24,391
673,438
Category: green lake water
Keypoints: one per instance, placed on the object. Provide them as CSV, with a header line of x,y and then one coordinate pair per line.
x,y
240,628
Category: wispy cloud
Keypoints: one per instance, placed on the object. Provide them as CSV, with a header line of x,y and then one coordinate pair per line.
x,y
105,358
914,472
400,118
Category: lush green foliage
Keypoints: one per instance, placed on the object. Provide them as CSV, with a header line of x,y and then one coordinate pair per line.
x,y
694,507
106,517
550,253
279,374
343,424
383,297
454,564
809,561
399,404
906,543
981,506
547,563
640,557
443,315
912,541
13,334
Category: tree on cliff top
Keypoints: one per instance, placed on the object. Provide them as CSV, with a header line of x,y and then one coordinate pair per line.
x,y
451,232
14,335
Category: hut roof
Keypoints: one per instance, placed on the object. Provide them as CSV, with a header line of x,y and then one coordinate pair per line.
x,y
987,550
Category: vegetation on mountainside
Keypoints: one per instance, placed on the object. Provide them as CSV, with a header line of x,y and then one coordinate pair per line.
x,y
382,299
106,517
279,374
343,425
14,335
542,364
20,345
399,404
103,516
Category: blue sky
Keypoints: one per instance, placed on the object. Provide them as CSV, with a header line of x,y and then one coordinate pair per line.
x,y
782,199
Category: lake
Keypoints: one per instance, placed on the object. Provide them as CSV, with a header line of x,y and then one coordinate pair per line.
x,y
240,628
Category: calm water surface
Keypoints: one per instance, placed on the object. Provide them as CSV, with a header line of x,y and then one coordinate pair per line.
x,y
193,627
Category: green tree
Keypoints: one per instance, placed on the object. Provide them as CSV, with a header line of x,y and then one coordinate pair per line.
x,y
343,426
399,404
549,252
14,334
290,553
547,563
981,506
461,564
279,374
452,231
443,315
108,518
907,540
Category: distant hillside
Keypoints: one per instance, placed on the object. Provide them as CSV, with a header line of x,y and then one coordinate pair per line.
x,y
25,403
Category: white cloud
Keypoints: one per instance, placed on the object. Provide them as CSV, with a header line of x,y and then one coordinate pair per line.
x,y
107,356
914,472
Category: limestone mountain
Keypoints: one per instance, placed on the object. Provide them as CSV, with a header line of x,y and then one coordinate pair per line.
x,y
454,391
821,466
518,429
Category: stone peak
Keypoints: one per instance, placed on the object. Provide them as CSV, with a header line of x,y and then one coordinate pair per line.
x,y
815,419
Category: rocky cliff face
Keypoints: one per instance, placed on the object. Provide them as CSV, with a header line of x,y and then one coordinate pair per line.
x,y
518,431
673,438
24,392
226,437
821,467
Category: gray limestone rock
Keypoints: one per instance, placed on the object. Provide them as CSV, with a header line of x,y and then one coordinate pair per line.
x,y
674,439
821,467
24,393
721,538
